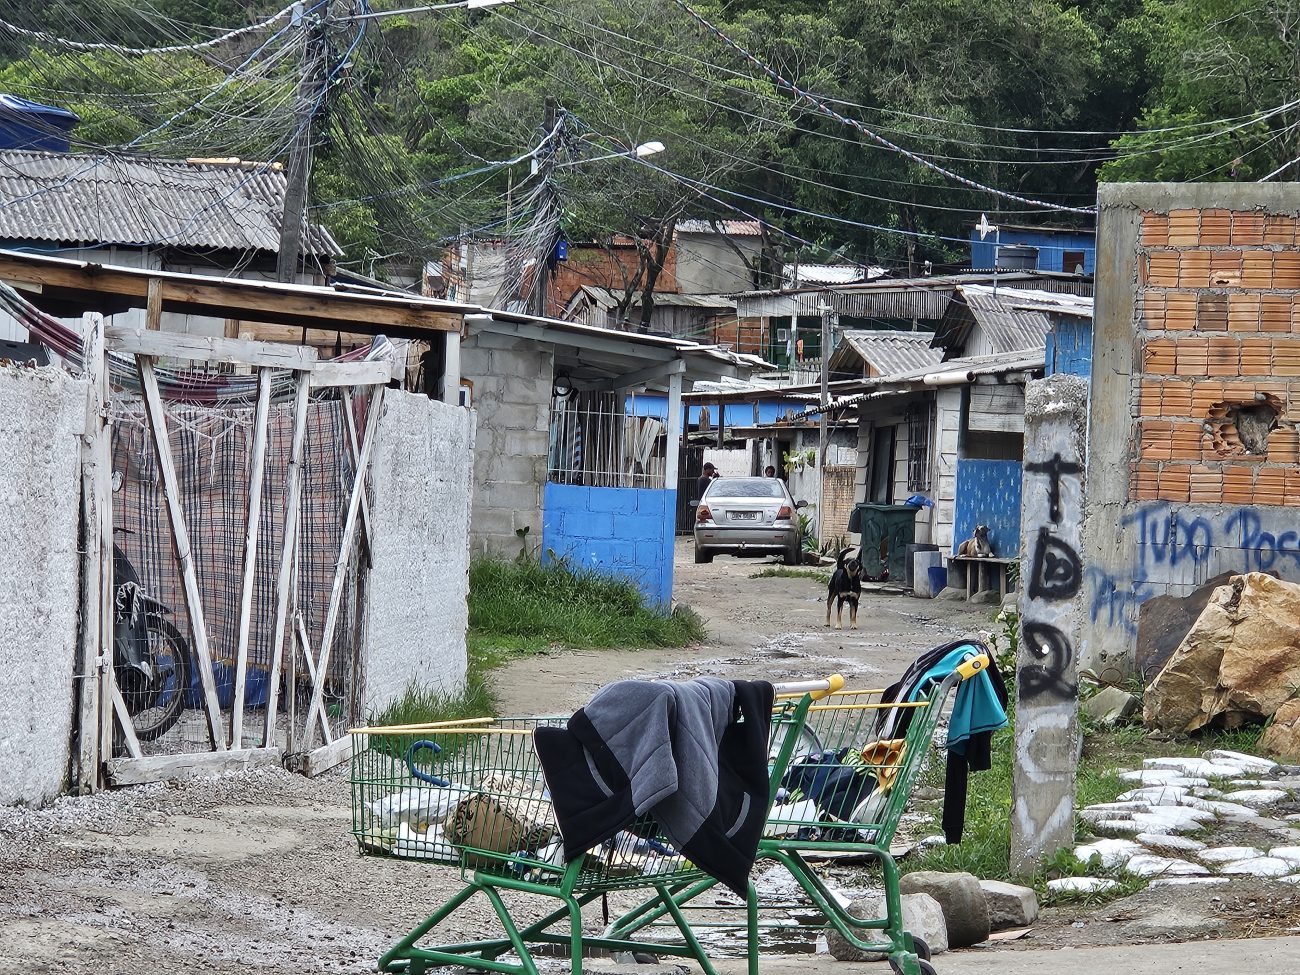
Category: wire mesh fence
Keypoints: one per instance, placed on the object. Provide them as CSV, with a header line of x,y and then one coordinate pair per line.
x,y
212,454
598,440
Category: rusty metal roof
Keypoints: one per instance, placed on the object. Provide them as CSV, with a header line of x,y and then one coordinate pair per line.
x,y
64,198
729,228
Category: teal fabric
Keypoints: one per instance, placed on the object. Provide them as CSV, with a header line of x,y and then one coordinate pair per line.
x,y
975,708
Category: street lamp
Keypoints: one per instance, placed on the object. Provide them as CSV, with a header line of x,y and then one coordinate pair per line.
x,y
640,152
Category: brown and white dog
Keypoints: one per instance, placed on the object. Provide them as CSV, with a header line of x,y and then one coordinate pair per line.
x,y
977,547
845,587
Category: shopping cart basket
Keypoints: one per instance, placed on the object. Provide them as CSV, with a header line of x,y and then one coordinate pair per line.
x,y
471,795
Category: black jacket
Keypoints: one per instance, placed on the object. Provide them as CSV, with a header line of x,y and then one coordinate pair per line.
x,y
591,810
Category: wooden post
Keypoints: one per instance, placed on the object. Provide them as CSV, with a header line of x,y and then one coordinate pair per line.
x,y
153,305
181,541
125,721
257,468
354,451
340,570
292,503
96,561
305,641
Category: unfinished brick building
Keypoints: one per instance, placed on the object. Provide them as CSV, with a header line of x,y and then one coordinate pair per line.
x,y
1195,398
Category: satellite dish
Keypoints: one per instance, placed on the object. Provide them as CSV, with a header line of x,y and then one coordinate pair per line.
x,y
984,227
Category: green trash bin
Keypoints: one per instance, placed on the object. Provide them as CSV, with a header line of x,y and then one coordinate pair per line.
x,y
886,530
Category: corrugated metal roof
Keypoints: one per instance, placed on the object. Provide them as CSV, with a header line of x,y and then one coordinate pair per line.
x,y
730,228
607,298
84,199
1008,329
800,274
888,352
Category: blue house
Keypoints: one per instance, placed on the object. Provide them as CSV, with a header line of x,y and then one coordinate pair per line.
x,y
1022,248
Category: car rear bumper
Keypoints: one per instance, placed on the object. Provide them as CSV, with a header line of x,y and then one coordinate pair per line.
x,y
718,537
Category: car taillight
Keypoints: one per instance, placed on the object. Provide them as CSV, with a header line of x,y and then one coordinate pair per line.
x,y
702,513
785,511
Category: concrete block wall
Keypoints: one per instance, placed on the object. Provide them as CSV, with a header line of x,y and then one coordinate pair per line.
x,y
1197,322
416,614
42,414
622,531
512,398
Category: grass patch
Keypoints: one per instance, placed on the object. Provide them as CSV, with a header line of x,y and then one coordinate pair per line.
x,y
525,607
784,572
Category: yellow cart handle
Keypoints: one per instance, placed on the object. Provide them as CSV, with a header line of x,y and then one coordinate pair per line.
x,y
817,688
972,666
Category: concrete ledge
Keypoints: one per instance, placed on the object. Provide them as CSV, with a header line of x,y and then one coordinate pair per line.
x,y
177,768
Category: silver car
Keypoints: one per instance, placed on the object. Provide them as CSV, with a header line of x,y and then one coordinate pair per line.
x,y
747,514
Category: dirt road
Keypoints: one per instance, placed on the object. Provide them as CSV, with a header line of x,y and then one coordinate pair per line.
x,y
257,871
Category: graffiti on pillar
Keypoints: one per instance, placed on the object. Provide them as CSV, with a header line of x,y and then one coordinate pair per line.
x,y
1055,575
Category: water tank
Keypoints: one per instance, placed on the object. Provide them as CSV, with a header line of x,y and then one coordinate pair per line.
x,y
1017,257
31,125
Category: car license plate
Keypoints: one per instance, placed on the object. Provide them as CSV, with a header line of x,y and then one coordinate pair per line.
x,y
744,516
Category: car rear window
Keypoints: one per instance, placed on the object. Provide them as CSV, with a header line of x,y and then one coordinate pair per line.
x,y
746,487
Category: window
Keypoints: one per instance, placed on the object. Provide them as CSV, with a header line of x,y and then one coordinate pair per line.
x,y
918,448
1072,262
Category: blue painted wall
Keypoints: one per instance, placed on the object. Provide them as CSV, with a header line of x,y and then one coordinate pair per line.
x,y
1050,247
988,493
738,414
619,531
1069,347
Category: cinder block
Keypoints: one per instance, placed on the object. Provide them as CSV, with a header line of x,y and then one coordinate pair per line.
x,y
1162,269
1223,357
514,495
1155,229
1212,312
1215,227
1194,269
1257,269
650,555
656,503
639,528
1247,228
1243,312
615,500
1279,229
1184,227
525,443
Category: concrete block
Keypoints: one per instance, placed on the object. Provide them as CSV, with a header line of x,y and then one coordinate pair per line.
x,y
525,443
518,496
1010,905
614,500
965,908
923,918
1110,706
650,554
637,528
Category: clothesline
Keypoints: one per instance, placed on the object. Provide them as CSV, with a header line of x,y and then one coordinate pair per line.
x,y
173,384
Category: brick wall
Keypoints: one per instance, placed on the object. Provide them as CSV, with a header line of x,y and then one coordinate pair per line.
x,y
1192,466
1219,325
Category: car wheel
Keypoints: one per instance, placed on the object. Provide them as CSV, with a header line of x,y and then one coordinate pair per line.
x,y
793,554
701,556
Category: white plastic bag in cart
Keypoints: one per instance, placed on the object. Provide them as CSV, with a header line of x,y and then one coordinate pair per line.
x,y
788,818
425,804
430,845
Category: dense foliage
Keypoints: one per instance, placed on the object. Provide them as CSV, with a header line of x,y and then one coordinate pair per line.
x,y
1040,98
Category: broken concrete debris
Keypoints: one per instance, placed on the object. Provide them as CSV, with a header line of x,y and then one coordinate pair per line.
x,y
1009,905
1110,706
1239,663
922,917
965,908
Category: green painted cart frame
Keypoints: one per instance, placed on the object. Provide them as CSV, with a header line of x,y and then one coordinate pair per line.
x,y
491,758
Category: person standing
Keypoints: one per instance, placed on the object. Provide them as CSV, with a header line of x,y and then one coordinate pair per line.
x,y
705,479
769,471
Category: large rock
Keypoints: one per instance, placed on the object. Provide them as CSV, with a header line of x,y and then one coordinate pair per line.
x,y
1240,662
1164,622
1282,737
1010,905
922,918
965,908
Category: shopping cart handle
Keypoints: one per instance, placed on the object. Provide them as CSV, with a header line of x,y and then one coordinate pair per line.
x,y
817,688
970,667
419,774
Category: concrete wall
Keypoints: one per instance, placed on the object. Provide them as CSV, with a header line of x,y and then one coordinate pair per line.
x,y
1197,314
512,397
622,531
420,509
42,414
708,265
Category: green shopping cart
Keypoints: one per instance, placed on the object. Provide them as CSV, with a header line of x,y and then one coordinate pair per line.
x,y
470,794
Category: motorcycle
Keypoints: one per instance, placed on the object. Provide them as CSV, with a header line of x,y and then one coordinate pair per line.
x,y
151,659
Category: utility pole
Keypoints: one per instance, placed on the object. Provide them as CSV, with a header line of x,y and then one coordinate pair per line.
x,y
549,205
826,311
310,92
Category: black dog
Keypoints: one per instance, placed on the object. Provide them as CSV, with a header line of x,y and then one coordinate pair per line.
x,y
845,587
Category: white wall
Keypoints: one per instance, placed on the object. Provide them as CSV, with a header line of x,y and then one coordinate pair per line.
x,y
419,579
42,413
943,470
